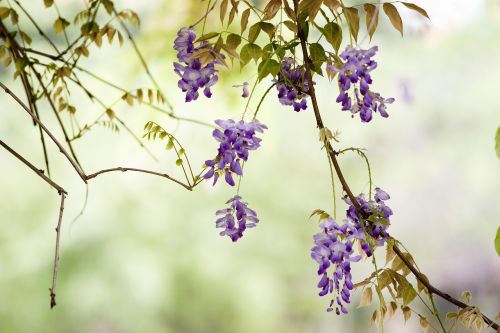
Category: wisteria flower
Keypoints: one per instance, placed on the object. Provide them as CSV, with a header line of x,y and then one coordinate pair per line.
x,y
236,140
333,246
355,73
194,75
378,214
236,218
292,85
244,86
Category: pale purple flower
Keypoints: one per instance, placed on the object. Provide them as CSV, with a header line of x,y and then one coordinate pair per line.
x,y
194,75
236,140
292,85
244,86
354,82
236,218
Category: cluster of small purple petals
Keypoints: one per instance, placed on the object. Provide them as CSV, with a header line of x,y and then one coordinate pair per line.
x,y
236,140
356,72
292,85
194,75
236,218
333,247
378,210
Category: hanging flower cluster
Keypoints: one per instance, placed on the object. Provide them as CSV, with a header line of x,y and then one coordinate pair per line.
x,y
378,214
194,75
236,218
356,71
292,85
236,140
333,246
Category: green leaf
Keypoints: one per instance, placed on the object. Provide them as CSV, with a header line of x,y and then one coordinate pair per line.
x,y
268,28
254,32
268,66
416,8
352,16
60,25
408,294
271,9
392,12
291,26
223,10
244,19
333,34
318,57
178,162
48,3
208,36
310,8
233,41
27,39
4,12
371,18
497,241
497,142
366,297
249,52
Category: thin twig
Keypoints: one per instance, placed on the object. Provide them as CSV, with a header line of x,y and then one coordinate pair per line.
x,y
56,254
164,175
32,167
58,144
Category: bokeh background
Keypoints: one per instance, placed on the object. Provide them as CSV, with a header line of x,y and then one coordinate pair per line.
x,y
145,255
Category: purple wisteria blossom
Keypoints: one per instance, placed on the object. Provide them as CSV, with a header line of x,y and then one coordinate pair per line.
x,y
194,75
378,214
356,72
333,246
292,85
236,218
236,140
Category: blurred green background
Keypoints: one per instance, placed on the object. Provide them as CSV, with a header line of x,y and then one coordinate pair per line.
x,y
146,257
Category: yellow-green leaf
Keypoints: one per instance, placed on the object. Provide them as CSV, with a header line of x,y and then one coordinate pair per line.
x,y
371,18
60,25
392,12
310,7
352,16
416,8
27,39
244,19
366,297
332,4
424,323
406,313
271,9
408,294
333,34
4,12
223,9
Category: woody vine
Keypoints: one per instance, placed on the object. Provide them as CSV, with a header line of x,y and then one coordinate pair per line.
x,y
289,42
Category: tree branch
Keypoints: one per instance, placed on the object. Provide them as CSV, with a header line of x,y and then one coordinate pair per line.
x,y
345,186
58,144
56,254
35,169
164,175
